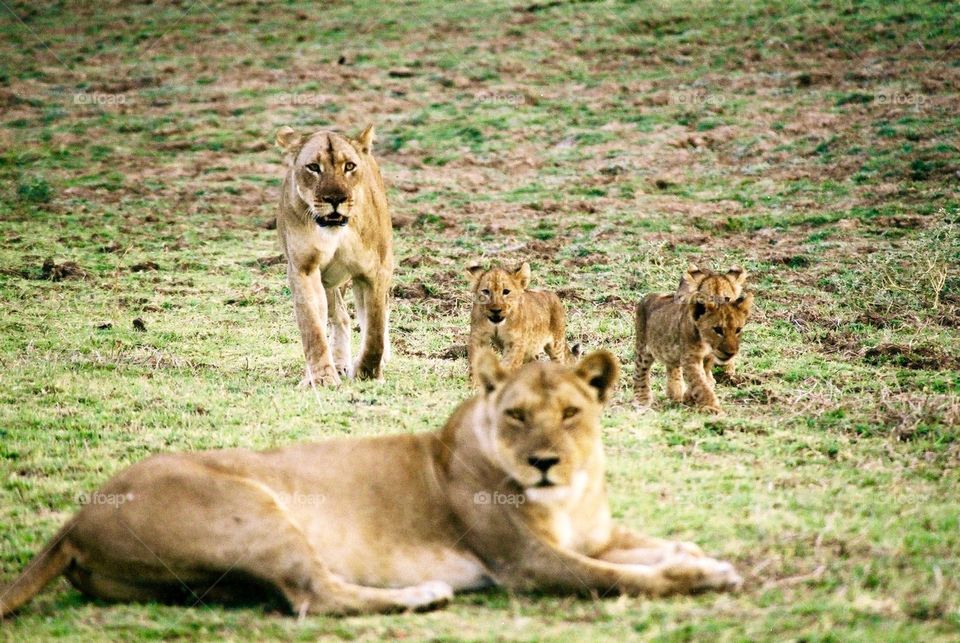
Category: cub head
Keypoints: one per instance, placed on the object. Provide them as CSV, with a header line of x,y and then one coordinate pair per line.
x,y
714,284
543,425
328,171
497,291
720,322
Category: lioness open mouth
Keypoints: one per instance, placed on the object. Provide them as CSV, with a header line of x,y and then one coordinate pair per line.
x,y
334,219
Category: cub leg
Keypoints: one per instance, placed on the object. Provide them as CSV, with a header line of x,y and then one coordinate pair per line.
x,y
310,309
699,391
340,325
708,363
514,356
730,369
374,297
641,377
674,383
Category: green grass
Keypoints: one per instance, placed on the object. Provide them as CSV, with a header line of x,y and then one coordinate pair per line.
x,y
610,144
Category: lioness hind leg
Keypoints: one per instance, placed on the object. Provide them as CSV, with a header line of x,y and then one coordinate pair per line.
x,y
340,327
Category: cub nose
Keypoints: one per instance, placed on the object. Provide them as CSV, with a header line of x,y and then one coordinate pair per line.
x,y
334,199
543,464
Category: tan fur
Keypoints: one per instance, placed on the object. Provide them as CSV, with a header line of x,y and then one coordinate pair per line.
x,y
706,282
522,323
334,227
683,336
510,492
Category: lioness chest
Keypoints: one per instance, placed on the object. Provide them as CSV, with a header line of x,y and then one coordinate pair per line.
x,y
337,252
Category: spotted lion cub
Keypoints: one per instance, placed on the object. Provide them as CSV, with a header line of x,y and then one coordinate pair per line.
x,y
687,336
727,284
521,323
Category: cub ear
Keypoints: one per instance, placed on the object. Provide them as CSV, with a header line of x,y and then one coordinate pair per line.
x,y
522,274
600,370
738,275
366,139
487,368
692,277
744,302
699,306
474,273
288,139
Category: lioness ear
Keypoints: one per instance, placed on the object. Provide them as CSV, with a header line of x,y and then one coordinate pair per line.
x,y
287,139
600,370
522,274
738,275
366,139
473,274
487,367
744,302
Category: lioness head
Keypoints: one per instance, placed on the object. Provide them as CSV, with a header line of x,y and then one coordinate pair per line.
x,y
327,169
497,290
720,321
543,424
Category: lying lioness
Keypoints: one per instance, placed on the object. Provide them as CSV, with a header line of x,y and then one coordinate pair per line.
x,y
510,492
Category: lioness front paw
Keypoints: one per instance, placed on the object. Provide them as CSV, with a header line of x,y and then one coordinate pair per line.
x,y
368,371
320,376
687,574
427,596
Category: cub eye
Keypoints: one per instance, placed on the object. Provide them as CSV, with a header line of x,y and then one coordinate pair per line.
x,y
739,329
349,166
313,167
516,414
718,330
569,412
506,292
485,292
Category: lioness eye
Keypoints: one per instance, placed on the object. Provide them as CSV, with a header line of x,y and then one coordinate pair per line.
x,y
314,167
485,292
738,330
718,330
569,412
516,414
350,167
506,292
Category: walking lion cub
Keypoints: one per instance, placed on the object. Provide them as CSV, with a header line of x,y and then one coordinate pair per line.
x,y
522,323
707,282
687,336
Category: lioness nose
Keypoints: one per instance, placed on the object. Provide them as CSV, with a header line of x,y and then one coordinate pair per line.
x,y
495,311
543,464
334,199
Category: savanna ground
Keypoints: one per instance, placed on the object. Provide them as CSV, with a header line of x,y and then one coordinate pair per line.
x,y
608,143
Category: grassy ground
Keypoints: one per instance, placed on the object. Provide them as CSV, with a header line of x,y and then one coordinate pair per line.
x,y
609,143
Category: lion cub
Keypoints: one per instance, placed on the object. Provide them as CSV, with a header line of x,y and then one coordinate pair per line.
x,y
727,284
687,336
520,322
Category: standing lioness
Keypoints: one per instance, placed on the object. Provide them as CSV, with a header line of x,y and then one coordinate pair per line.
x,y
334,226
511,492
